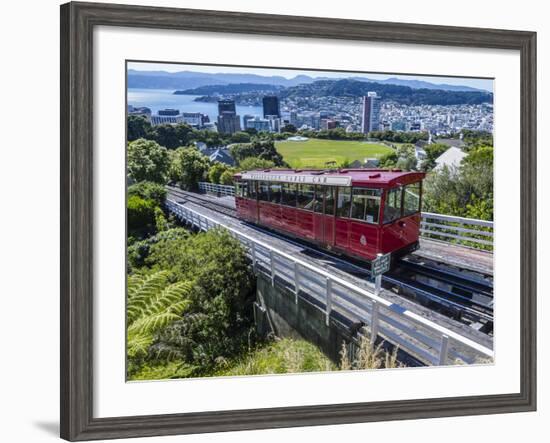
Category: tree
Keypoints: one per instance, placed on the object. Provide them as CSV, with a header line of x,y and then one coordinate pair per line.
x,y
148,191
250,163
167,136
138,127
147,161
262,149
289,128
388,160
406,159
240,137
140,215
466,191
433,151
216,171
227,177
189,167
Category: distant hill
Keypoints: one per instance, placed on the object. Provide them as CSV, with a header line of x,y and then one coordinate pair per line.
x,y
419,84
235,88
401,94
188,80
191,79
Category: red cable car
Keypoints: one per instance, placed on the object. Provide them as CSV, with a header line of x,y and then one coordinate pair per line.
x,y
356,212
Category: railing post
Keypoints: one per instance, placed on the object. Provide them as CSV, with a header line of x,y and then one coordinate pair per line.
x,y
253,252
328,300
296,281
272,266
443,350
374,322
377,284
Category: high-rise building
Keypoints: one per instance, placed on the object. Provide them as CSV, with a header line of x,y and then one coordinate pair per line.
x,y
229,123
371,112
271,106
226,106
228,120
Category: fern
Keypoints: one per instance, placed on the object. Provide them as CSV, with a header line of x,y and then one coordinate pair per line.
x,y
153,304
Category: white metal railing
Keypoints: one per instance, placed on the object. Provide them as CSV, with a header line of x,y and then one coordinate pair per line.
x,y
432,343
461,230
464,231
217,189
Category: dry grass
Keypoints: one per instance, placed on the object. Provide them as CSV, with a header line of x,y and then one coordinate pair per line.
x,y
368,357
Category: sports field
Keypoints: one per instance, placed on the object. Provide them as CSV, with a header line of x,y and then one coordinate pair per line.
x,y
315,153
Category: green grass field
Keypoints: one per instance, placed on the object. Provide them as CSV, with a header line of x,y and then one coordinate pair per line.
x,y
315,153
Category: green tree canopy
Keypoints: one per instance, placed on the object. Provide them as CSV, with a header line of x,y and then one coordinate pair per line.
x,y
138,127
216,171
147,160
148,191
250,163
262,149
140,216
189,167
227,177
388,160
240,137
466,191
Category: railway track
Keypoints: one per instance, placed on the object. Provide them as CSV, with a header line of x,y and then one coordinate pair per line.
x,y
465,297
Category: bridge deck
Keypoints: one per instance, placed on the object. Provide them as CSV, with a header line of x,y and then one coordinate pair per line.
x,y
455,255
336,267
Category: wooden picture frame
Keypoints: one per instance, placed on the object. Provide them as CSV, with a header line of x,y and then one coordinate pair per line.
x,y
77,23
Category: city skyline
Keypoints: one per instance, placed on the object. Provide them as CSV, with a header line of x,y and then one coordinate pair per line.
x,y
485,84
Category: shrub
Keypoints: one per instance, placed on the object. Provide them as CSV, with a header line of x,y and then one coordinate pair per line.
x,y
141,215
219,318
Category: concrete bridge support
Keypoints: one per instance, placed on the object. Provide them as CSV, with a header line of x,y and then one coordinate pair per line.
x,y
279,311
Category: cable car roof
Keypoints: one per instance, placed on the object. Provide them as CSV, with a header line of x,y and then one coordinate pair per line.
x,y
342,177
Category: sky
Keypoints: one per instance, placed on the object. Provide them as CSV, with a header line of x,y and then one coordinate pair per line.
x,y
480,83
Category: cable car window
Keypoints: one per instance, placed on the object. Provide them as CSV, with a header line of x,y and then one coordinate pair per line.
x,y
319,195
275,193
411,199
306,197
244,189
238,189
263,191
392,208
329,200
289,194
366,205
343,205
252,190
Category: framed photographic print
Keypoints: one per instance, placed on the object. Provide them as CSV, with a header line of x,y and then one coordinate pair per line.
x,y
272,221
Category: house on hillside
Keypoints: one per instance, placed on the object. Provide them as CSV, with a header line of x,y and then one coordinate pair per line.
x,y
452,157
221,155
